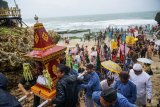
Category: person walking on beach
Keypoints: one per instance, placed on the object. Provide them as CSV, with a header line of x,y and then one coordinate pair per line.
x,y
126,87
92,85
143,52
143,83
149,52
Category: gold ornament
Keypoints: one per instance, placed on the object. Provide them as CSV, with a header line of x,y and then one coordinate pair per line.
x,y
36,38
58,61
54,69
45,36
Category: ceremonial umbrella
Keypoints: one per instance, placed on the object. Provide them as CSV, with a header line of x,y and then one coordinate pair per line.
x,y
112,66
145,60
157,42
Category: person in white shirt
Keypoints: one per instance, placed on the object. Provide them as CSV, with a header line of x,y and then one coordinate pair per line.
x,y
143,83
78,58
108,81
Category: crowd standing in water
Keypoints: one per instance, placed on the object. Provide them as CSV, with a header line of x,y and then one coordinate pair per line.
x,y
81,73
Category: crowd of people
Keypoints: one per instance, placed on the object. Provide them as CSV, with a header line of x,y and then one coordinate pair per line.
x,y
81,74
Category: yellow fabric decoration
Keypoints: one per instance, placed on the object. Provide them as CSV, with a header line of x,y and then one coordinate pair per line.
x,y
114,45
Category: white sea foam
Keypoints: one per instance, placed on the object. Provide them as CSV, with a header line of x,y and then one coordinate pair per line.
x,y
96,24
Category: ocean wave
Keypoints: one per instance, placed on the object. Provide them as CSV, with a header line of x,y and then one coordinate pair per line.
x,y
60,26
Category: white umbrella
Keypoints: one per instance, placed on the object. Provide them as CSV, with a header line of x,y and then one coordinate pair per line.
x,y
145,60
157,42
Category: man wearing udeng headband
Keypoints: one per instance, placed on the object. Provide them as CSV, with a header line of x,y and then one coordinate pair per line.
x,y
110,98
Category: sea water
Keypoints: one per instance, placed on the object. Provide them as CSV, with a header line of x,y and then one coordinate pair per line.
x,y
96,22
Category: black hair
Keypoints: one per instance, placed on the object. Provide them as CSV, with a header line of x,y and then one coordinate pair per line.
x,y
89,66
63,68
67,70
109,95
147,64
124,75
38,67
80,70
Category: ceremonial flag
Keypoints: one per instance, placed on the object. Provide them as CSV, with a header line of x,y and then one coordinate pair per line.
x,y
130,40
114,45
68,61
98,64
123,37
110,34
122,49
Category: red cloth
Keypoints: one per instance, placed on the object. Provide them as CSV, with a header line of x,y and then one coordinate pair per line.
x,y
118,41
114,57
121,56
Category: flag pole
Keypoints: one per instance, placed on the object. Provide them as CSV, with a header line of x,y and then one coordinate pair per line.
x,y
124,53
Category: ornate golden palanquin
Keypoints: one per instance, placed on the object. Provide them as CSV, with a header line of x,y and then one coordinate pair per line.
x,y
50,55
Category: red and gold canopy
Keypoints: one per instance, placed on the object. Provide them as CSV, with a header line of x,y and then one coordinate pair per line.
x,y
44,47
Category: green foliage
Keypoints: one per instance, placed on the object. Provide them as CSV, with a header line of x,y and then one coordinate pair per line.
x,y
87,58
74,37
5,31
27,72
55,36
98,66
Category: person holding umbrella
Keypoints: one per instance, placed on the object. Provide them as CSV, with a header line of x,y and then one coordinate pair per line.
x,y
112,67
147,65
